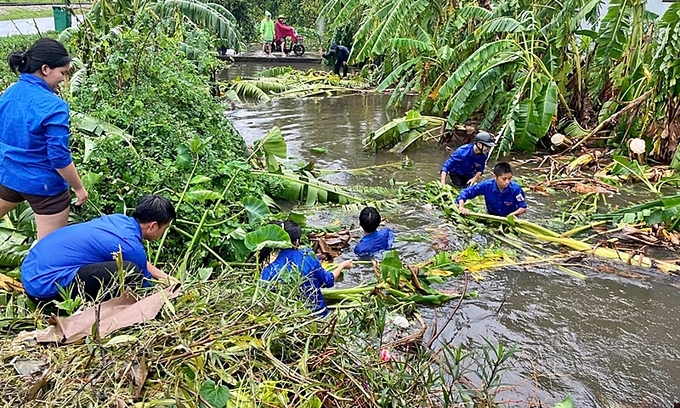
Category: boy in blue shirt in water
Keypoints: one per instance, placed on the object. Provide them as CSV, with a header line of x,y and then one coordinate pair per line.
x,y
466,164
373,241
502,195
314,276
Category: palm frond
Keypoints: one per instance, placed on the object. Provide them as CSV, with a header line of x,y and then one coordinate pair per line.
x,y
399,130
500,25
209,15
273,72
474,63
398,73
246,90
305,188
414,45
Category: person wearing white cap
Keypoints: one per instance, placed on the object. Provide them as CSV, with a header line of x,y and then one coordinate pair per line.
x,y
281,31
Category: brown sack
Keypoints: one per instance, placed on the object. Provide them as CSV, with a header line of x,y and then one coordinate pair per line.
x,y
117,313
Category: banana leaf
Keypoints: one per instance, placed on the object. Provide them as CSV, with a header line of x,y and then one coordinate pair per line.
x,y
268,236
402,133
305,188
255,208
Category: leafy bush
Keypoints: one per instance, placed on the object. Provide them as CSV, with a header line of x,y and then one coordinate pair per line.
x,y
175,135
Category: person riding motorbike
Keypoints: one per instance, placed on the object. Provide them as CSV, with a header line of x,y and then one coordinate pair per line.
x,y
281,31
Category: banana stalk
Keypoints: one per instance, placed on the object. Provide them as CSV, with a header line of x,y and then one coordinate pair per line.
x,y
637,260
545,234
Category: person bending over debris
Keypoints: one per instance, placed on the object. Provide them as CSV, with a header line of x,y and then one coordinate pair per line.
x,y
502,195
341,55
373,241
466,164
79,257
304,262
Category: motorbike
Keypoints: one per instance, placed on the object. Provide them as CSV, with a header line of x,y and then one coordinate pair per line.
x,y
294,44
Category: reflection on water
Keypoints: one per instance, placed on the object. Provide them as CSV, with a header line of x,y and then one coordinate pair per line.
x,y
605,340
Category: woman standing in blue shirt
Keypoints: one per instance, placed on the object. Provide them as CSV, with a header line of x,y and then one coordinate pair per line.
x,y
294,260
35,159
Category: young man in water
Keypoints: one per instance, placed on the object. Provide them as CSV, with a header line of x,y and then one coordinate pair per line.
x,y
466,164
373,241
503,196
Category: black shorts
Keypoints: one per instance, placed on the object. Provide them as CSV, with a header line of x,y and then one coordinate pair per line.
x,y
458,180
41,205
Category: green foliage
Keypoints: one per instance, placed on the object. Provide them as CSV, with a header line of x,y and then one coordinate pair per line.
x,y
268,236
152,126
566,403
665,69
272,146
514,68
216,396
664,210
256,209
404,133
68,304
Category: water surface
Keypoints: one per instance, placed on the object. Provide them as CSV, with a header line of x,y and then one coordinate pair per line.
x,y
609,339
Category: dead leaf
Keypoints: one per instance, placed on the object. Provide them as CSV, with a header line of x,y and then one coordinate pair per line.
x,y
9,284
329,245
585,189
139,372
539,189
27,367
37,385
414,275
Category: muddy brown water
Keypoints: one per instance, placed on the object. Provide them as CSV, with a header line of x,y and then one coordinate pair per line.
x,y
610,340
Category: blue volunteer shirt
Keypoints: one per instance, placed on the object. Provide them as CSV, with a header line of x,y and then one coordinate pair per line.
x,y
34,134
377,241
314,275
497,202
464,161
56,258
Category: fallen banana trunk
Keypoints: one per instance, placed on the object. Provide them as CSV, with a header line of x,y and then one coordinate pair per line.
x,y
544,234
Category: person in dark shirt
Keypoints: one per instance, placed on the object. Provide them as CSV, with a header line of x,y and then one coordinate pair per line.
x,y
303,261
36,164
79,257
466,164
503,196
373,241
341,55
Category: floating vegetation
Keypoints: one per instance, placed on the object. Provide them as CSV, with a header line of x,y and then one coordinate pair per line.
x,y
445,197
284,82
664,210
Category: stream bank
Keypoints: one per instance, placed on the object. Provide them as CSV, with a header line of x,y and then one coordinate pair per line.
x,y
606,340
